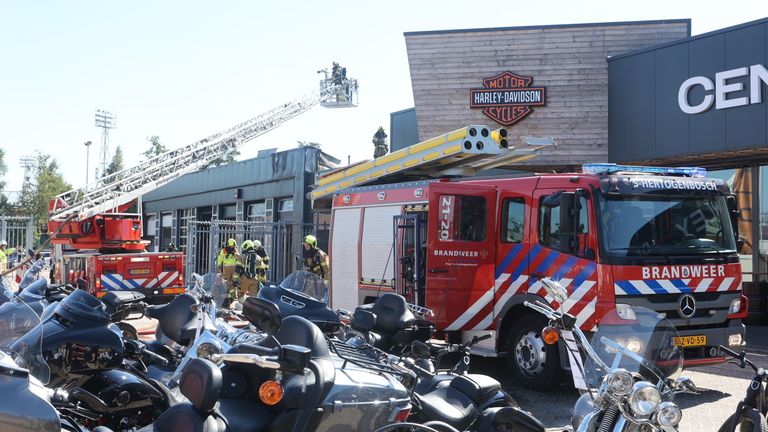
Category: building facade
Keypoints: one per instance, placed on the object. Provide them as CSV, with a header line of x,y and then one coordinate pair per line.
x,y
271,188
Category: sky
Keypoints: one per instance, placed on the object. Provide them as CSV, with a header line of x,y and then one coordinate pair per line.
x,y
183,70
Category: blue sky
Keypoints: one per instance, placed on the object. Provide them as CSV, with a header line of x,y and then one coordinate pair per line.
x,y
183,70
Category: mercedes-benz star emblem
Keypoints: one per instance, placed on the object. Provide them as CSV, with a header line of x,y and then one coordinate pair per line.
x,y
687,306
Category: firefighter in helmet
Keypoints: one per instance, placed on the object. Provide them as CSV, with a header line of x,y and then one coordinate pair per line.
x,y
261,269
247,268
315,260
226,264
4,253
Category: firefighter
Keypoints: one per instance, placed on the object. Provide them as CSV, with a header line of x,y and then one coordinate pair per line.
x,y
315,260
227,263
4,253
248,267
263,266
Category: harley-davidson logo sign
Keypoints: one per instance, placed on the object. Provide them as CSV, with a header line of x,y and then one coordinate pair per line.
x,y
507,98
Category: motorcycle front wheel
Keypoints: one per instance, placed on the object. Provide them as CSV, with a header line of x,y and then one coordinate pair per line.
x,y
750,421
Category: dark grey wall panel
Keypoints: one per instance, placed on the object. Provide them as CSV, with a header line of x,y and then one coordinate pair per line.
x,y
745,126
673,133
404,131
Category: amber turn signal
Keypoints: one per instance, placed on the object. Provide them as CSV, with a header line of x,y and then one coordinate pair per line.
x,y
271,392
550,335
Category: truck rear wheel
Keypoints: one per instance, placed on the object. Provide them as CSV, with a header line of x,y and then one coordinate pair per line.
x,y
534,364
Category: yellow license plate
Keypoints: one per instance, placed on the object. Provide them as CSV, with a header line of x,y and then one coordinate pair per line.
x,y
139,271
690,341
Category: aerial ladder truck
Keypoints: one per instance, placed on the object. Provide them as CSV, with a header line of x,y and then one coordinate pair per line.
x,y
96,231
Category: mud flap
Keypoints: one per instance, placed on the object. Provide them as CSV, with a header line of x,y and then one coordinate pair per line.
x,y
520,420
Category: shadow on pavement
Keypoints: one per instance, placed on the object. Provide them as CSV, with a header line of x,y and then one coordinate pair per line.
x,y
687,400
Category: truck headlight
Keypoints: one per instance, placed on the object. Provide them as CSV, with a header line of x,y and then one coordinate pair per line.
x,y
644,398
668,414
619,381
735,306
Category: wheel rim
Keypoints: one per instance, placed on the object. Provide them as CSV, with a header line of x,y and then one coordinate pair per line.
x,y
530,354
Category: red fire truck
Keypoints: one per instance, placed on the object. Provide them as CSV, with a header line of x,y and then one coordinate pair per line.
x,y
473,250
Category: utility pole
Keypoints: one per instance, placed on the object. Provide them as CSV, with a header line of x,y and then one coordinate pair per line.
x,y
87,161
28,163
105,121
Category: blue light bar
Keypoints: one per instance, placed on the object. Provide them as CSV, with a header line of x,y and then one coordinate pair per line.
x,y
608,168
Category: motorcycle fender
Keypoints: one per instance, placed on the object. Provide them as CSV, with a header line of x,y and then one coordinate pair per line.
x,y
122,390
518,419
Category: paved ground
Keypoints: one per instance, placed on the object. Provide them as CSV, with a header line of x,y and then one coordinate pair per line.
x,y
722,387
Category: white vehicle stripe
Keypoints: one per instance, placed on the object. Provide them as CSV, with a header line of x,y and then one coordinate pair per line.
x,y
726,284
577,295
485,323
512,290
587,312
704,284
472,311
669,286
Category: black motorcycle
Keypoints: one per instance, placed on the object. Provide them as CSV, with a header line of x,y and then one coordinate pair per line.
x,y
391,324
304,294
76,346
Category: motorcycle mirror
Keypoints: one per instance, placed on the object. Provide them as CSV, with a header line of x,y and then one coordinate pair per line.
x,y
263,314
557,291
686,384
420,349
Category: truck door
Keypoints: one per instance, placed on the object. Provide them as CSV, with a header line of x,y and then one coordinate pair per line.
x,y
460,254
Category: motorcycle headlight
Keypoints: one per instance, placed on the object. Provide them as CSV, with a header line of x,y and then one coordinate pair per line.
x,y
619,381
208,351
668,414
644,398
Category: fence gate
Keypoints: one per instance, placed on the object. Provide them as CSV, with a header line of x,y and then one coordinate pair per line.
x,y
18,231
281,240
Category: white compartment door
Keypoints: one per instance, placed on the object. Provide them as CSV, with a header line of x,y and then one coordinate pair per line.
x,y
344,263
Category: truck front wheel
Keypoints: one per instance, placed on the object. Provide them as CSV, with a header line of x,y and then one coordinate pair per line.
x,y
534,364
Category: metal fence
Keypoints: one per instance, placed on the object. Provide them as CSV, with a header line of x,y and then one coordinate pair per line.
x,y
17,231
282,242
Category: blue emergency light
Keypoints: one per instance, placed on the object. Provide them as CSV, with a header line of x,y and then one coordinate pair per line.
x,y
608,168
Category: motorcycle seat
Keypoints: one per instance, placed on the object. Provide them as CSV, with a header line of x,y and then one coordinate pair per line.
x,y
447,404
172,317
392,313
478,387
200,383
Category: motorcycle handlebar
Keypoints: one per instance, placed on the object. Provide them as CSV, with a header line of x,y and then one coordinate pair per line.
x,y
741,357
156,358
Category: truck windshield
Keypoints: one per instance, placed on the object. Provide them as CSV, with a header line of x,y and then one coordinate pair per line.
x,y
664,225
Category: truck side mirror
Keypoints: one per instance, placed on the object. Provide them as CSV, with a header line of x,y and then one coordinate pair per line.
x,y
569,218
734,213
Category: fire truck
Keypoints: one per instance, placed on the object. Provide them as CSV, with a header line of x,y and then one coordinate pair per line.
x,y
473,250
97,230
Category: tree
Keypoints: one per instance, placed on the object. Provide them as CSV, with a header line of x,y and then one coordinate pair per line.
x,y
46,183
5,205
224,160
155,147
117,163
309,144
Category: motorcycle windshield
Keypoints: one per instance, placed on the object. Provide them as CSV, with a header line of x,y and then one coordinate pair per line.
x,y
639,340
307,283
17,318
27,348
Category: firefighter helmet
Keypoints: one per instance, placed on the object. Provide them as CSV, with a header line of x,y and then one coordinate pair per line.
x,y
232,242
310,240
247,245
3,243
256,244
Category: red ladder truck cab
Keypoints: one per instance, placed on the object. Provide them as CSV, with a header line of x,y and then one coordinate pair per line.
x,y
473,250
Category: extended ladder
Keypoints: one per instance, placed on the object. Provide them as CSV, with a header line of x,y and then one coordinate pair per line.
x,y
118,189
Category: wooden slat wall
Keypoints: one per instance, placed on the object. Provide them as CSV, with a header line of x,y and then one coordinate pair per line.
x,y
569,61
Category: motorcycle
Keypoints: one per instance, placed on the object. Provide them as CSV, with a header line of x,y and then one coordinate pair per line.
x,y
294,379
304,294
76,347
630,375
391,324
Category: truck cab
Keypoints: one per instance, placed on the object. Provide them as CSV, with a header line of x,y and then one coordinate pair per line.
x,y
615,236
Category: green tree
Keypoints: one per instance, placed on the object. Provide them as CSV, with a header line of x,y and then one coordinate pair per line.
x,y
46,183
155,147
5,205
309,144
117,163
224,160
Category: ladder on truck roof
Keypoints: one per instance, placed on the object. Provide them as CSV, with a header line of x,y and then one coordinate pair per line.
x,y
111,192
463,152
